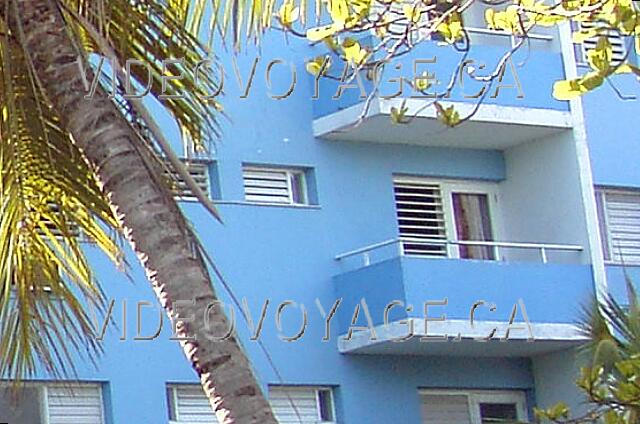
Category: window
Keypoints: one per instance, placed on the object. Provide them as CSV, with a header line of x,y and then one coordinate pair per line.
x,y
198,170
619,219
431,213
274,185
188,404
302,405
476,407
618,47
52,404
313,405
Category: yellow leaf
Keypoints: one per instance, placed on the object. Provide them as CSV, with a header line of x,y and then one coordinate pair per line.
x,y
412,13
599,58
567,89
318,64
321,33
583,35
398,116
288,14
448,116
339,11
451,29
353,53
423,82
489,16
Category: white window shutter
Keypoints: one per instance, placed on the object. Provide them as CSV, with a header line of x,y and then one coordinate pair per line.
x,y
192,405
76,404
283,399
444,408
273,185
420,213
623,226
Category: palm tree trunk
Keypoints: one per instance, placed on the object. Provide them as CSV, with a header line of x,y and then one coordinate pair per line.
x,y
153,222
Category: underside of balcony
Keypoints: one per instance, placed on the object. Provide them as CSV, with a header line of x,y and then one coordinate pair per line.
x,y
490,127
461,338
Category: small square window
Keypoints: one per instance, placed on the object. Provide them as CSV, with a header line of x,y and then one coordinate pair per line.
x,y
619,220
275,185
308,405
473,407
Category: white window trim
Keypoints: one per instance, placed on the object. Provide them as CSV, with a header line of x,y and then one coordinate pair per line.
x,y
450,186
316,390
289,171
602,192
476,397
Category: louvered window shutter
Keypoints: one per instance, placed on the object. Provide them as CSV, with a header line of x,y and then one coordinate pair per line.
x,y
421,217
622,223
198,170
192,406
265,185
80,404
449,409
295,405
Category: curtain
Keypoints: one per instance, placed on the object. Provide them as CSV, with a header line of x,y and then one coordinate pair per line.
x,y
473,223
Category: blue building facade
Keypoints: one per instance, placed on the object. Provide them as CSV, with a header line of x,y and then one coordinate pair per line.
x,y
348,234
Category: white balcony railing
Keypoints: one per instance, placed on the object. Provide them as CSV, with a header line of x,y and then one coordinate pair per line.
x,y
542,248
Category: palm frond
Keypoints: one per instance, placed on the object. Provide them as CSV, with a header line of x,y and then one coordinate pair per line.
x,y
154,32
613,328
48,196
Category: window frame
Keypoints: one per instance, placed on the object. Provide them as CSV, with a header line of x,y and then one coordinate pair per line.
x,y
602,216
289,171
447,188
317,390
477,397
188,163
42,389
173,387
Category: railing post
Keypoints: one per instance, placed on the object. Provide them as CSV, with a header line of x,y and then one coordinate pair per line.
x,y
366,258
543,254
400,248
496,252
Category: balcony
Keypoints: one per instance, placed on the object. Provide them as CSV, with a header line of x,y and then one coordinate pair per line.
x,y
546,294
522,110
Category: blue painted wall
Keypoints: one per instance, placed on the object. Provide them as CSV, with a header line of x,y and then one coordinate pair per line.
x,y
614,146
525,84
544,289
287,253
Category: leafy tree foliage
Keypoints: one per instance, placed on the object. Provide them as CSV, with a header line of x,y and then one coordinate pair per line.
x,y
611,382
397,27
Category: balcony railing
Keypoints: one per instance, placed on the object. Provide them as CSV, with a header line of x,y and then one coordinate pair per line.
x,y
542,248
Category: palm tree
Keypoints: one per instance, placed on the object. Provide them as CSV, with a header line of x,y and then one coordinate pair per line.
x,y
69,163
